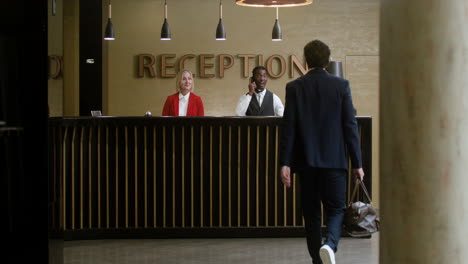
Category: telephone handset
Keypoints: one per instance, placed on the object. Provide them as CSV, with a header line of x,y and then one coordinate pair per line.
x,y
256,89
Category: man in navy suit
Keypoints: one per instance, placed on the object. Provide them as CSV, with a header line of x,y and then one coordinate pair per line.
x,y
319,130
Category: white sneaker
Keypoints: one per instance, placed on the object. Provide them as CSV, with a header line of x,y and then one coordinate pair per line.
x,y
327,255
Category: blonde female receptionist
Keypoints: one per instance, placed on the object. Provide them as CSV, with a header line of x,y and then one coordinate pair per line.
x,y
184,102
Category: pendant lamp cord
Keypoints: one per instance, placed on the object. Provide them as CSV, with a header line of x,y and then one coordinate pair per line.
x,y
110,9
220,10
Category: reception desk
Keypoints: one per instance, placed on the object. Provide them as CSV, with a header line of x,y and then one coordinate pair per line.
x,y
120,177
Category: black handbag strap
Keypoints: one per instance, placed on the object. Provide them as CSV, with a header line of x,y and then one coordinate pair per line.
x,y
355,191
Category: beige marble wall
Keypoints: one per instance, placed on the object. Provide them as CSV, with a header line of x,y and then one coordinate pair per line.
x,y
71,66
55,48
350,28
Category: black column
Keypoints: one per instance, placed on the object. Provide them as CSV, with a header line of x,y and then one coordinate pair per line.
x,y
90,56
23,116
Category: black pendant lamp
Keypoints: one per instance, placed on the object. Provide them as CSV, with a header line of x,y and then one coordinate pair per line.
x,y
276,35
335,68
220,32
109,33
165,30
273,3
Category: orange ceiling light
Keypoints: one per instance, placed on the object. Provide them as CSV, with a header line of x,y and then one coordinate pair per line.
x,y
273,3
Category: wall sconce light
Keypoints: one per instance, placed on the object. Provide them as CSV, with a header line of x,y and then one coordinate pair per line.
x,y
165,30
220,32
54,7
109,33
273,3
335,68
276,35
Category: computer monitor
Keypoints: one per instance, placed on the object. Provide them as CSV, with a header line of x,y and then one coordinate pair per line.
x,y
96,113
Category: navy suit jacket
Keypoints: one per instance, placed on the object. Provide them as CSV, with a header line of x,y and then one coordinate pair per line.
x,y
319,126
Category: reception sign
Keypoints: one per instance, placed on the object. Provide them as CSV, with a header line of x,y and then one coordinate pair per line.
x,y
211,65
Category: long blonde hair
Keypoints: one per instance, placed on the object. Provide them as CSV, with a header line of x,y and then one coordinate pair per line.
x,y
179,78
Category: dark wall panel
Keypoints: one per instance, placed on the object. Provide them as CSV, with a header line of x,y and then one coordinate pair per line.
x,y
90,56
23,131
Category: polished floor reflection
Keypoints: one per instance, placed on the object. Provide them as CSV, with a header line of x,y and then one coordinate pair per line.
x,y
213,251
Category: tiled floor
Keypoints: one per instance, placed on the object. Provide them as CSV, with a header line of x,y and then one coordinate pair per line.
x,y
213,251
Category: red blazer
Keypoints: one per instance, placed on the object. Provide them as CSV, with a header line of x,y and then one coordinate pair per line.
x,y
194,107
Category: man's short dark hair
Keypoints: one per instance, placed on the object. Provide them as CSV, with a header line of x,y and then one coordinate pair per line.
x,y
257,69
317,54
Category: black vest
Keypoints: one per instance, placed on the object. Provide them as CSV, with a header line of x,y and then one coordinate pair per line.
x,y
266,109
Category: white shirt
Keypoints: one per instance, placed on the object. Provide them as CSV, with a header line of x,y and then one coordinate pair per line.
x,y
183,103
244,102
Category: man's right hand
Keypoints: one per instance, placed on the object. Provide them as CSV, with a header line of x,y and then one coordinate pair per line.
x,y
286,176
358,174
